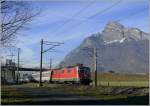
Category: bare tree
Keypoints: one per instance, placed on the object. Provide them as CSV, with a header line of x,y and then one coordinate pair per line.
x,y
15,15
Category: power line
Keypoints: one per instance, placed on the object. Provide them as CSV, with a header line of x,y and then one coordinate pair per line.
x,y
80,11
101,12
51,48
57,51
88,51
131,15
106,9
118,20
53,45
95,57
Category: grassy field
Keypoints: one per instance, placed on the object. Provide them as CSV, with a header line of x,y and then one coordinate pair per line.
x,y
121,77
122,88
10,95
113,79
123,83
120,95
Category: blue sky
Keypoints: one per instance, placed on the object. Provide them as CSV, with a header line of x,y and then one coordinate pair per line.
x,y
71,21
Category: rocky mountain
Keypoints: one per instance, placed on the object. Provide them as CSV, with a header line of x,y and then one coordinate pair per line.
x,y
119,48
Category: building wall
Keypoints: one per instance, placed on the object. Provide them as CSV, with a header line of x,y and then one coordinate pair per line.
x,y
8,75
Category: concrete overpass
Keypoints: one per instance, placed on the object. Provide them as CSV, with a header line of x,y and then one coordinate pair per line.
x,y
14,68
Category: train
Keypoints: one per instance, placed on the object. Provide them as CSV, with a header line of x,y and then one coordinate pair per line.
x,y
78,74
45,76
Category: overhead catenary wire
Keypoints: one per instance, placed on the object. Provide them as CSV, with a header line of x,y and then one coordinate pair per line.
x,y
80,11
41,56
98,13
50,48
57,51
118,20
107,8
90,52
53,45
132,14
47,42
70,19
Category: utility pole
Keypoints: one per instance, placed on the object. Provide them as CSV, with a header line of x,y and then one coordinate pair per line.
x,y
13,60
94,56
50,66
18,65
95,64
40,82
53,45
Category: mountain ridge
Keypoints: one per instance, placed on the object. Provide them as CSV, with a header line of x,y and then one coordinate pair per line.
x,y
121,48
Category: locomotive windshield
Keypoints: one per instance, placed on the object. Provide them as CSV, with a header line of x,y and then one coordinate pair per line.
x,y
85,70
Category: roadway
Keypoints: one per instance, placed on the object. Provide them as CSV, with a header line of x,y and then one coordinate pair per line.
x,y
45,96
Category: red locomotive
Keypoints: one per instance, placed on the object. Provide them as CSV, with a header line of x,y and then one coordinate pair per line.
x,y
75,74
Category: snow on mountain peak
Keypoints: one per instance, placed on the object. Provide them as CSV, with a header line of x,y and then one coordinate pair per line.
x,y
114,32
114,41
122,40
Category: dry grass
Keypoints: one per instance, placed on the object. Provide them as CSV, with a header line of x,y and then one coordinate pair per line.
x,y
10,95
123,83
9,92
104,93
121,77
113,79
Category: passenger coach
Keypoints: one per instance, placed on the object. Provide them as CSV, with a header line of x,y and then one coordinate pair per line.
x,y
74,74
